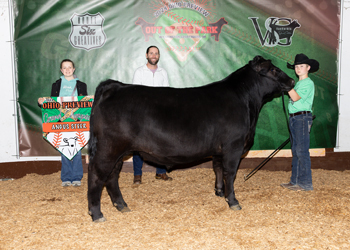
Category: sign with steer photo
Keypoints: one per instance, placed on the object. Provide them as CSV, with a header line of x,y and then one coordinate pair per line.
x,y
66,123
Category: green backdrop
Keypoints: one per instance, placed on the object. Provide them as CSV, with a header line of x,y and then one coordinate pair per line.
x,y
200,41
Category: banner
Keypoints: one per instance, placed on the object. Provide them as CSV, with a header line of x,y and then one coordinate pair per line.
x,y
200,41
66,123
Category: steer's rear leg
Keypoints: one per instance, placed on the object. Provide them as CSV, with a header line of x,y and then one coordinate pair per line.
x,y
100,169
95,186
113,189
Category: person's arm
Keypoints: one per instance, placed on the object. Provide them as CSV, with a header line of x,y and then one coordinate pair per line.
x,y
54,92
82,88
56,87
166,79
137,79
294,95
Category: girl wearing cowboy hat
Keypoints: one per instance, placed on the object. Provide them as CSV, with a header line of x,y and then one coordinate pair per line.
x,y
300,121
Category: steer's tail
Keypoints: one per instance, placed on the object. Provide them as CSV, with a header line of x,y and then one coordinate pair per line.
x,y
92,142
102,91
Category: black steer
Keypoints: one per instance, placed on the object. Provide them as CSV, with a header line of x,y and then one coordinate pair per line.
x,y
170,126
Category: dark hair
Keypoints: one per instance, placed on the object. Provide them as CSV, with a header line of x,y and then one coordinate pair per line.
x,y
67,60
152,46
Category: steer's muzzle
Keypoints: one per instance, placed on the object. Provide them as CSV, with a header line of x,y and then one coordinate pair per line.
x,y
289,86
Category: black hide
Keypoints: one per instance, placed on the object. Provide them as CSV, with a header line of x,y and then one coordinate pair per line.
x,y
170,126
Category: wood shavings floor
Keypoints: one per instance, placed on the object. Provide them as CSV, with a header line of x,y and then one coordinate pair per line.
x,y
37,213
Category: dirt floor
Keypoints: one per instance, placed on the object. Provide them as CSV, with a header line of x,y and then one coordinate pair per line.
x,y
37,213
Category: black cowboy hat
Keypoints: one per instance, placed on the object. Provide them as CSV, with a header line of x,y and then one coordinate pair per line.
x,y
303,59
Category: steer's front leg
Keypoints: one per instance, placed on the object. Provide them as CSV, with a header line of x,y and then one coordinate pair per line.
x,y
219,176
230,165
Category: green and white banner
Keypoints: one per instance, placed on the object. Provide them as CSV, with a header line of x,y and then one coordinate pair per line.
x,y
200,41
66,123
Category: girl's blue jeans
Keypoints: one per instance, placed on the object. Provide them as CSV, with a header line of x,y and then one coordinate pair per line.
x,y
300,126
72,170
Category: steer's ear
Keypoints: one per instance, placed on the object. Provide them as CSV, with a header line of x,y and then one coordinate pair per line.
x,y
263,67
256,62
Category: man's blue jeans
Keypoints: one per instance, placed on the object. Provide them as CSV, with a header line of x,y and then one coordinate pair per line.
x,y
300,126
137,164
72,170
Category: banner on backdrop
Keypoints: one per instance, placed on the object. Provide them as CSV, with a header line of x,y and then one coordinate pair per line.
x,y
66,123
87,31
182,28
200,42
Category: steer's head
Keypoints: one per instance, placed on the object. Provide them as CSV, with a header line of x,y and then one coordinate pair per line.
x,y
271,73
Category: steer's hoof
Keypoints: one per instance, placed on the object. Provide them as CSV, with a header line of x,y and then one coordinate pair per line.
x,y
123,209
102,219
236,207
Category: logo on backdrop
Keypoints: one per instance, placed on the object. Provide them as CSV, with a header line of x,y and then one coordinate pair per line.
x,y
279,31
66,123
182,28
87,31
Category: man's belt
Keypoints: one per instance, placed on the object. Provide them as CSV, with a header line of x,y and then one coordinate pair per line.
x,y
299,113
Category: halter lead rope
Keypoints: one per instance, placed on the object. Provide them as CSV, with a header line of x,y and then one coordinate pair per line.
x,y
246,177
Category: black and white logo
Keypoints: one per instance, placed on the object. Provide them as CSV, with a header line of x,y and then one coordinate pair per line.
x,y
279,31
87,31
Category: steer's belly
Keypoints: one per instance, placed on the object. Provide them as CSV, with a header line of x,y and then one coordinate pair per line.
x,y
171,160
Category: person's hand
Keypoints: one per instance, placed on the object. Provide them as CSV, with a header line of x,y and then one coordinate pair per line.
x,y
41,100
294,95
